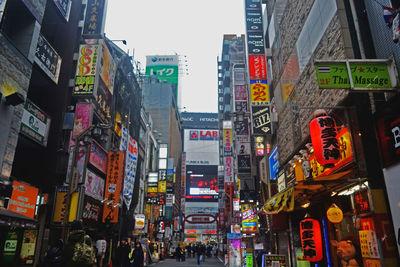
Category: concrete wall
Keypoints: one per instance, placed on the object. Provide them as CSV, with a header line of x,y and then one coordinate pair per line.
x,y
15,73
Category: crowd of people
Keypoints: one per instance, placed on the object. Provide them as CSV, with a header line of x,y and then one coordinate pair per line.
x,y
81,251
199,250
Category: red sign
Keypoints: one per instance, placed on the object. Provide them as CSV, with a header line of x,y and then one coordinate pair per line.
x,y
311,240
257,67
324,140
113,186
389,138
241,92
23,199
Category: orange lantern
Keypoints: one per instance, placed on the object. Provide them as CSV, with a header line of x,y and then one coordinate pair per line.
x,y
311,240
324,139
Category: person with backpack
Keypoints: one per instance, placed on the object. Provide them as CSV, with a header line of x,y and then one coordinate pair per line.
x,y
53,255
78,251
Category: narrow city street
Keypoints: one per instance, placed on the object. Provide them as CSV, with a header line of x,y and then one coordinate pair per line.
x,y
210,262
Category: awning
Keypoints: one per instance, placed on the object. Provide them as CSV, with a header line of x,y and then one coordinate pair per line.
x,y
10,218
303,190
283,201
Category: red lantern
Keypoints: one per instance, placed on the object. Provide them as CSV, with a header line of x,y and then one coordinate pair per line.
x,y
311,240
324,139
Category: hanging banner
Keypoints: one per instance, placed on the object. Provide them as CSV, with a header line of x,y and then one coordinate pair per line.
x,y
123,145
249,218
35,124
28,246
23,199
95,17
283,201
86,69
113,186
259,92
261,115
130,171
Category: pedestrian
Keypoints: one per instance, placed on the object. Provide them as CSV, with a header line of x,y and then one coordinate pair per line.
x,y
203,249
78,251
123,253
53,255
137,257
178,253
101,246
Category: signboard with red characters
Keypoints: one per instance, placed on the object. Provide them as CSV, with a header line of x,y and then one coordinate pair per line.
x,y
257,67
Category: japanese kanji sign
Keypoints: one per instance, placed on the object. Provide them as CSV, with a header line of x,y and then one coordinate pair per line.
x,y
94,19
64,6
311,240
113,186
48,59
259,91
130,170
35,124
365,75
86,70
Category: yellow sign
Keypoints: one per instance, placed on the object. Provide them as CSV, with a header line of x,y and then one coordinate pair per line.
x,y
282,202
61,204
287,88
152,189
7,89
259,91
162,186
334,214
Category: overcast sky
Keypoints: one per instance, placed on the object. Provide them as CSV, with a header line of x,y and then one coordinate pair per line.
x,y
189,28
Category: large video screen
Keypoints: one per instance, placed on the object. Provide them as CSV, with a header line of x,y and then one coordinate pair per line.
x,y
202,183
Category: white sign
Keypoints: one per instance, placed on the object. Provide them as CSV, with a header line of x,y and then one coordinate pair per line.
x,y
263,170
281,182
124,139
130,171
201,146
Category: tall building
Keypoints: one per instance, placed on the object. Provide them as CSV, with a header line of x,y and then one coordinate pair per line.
x,y
201,148
167,69
307,43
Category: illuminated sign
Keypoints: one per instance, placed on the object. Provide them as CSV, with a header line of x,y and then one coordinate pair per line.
x,y
203,135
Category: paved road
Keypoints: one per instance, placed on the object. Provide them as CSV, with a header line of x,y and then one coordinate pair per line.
x,y
210,262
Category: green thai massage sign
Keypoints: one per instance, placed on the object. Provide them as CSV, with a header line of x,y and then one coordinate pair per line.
x,y
364,75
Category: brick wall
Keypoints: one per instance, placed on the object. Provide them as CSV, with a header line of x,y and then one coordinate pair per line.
x,y
292,132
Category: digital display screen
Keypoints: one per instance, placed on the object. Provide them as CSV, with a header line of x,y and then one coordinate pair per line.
x,y
202,183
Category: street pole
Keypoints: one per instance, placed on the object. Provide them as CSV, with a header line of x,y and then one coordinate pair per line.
x,y
73,183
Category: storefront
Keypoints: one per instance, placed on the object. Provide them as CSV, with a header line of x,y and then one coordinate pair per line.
x,y
330,207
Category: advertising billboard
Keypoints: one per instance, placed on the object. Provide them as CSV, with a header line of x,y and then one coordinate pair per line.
x,y
85,75
165,67
194,120
35,124
107,68
202,183
98,157
94,185
23,199
249,218
131,158
201,146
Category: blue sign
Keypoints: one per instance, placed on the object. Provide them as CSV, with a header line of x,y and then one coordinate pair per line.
x,y
273,164
233,236
170,171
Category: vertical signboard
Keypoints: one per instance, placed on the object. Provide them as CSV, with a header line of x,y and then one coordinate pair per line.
x,y
95,17
64,6
130,170
249,218
86,68
107,68
261,119
94,185
83,118
273,164
28,246
113,186
48,59
98,157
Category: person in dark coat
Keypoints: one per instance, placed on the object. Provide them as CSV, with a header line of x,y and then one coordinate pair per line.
x,y
137,258
123,253
178,253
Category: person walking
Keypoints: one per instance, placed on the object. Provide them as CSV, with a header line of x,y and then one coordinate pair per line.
x,y
101,246
53,255
123,253
178,253
137,257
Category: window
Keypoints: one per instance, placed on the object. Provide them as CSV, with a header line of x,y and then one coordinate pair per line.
x,y
317,21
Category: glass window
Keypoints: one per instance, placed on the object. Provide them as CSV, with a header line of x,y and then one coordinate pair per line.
x,y
315,26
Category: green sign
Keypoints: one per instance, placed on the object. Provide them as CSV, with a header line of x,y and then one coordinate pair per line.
x,y
249,260
365,75
168,73
10,247
35,124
